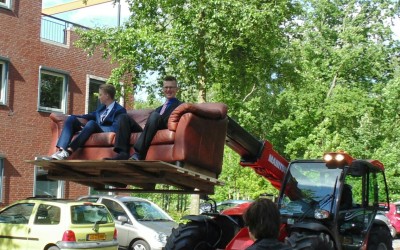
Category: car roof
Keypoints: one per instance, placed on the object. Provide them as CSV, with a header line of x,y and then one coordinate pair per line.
x,y
53,201
116,197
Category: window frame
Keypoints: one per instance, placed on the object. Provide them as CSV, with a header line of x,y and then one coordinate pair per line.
x,y
60,183
91,79
1,177
64,101
4,80
7,4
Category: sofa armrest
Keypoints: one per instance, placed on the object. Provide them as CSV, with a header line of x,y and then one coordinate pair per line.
x,y
200,134
211,111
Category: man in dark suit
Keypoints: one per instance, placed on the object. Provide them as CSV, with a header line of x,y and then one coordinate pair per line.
x,y
104,119
157,120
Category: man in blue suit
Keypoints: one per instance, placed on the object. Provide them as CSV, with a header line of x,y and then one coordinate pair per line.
x,y
104,119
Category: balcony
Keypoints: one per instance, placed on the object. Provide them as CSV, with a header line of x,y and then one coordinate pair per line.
x,y
54,29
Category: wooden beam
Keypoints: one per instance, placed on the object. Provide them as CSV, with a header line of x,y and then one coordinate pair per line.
x,y
144,191
74,5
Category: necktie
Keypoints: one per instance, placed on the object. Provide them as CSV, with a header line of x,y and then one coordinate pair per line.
x,y
164,107
104,115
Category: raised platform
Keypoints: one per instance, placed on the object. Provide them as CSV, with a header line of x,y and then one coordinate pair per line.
x,y
130,176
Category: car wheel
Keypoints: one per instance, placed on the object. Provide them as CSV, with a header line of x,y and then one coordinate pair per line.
x,y
53,248
380,239
140,245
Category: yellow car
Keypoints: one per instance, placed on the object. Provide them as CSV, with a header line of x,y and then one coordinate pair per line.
x,y
53,224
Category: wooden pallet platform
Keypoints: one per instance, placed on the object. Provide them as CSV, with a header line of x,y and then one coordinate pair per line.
x,y
129,176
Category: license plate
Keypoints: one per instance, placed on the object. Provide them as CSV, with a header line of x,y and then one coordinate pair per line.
x,y
94,237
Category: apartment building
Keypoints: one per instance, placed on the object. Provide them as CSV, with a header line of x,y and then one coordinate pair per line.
x,y
41,71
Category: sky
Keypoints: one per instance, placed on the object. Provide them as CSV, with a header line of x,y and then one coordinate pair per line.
x,y
101,15
106,15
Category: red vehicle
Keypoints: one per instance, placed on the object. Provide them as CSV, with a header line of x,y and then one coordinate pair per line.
x,y
394,215
328,203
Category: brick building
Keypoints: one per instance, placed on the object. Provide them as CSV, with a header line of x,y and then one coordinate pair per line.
x,y
40,72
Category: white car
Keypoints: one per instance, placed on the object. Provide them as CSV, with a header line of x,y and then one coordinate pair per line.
x,y
140,223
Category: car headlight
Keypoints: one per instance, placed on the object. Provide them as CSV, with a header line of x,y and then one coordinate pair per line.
x,y
161,237
321,214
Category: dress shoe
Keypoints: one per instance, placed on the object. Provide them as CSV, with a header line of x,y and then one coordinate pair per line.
x,y
135,157
120,156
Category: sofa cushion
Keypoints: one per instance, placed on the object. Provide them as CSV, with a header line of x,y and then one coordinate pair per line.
x,y
164,136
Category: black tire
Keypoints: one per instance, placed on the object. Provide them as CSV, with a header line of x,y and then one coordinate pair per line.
x,y
380,239
194,236
140,245
310,241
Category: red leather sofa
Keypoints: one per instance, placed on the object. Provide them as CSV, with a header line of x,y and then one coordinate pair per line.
x,y
195,137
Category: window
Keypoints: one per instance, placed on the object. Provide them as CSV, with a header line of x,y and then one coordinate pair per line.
x,y
5,4
1,177
17,214
46,187
93,91
114,208
3,81
53,89
47,215
89,214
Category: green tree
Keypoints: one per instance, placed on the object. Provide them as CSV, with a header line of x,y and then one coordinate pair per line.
x,y
346,94
310,76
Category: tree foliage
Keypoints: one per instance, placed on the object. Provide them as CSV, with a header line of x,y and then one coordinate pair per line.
x,y
309,76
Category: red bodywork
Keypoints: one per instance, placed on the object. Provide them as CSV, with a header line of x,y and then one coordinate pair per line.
x,y
272,166
394,215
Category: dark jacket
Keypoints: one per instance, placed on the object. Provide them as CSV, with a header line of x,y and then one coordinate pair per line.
x,y
174,102
110,124
268,244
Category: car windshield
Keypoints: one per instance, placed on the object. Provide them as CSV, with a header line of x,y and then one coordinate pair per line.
x,y
310,185
145,211
90,213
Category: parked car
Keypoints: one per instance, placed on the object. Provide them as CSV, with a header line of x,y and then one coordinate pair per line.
x,y
51,224
394,216
140,223
382,217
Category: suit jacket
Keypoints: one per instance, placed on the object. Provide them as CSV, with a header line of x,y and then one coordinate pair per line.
x,y
164,117
110,123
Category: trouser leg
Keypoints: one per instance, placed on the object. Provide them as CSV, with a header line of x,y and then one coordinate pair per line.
x,y
150,129
123,134
90,128
71,126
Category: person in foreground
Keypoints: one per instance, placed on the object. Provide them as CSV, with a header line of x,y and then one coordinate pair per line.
x,y
157,120
263,220
104,119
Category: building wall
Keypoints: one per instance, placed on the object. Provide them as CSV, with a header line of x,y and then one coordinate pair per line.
x,y
25,131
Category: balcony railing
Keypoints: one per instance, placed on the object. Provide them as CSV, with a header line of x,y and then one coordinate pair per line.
x,y
55,29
